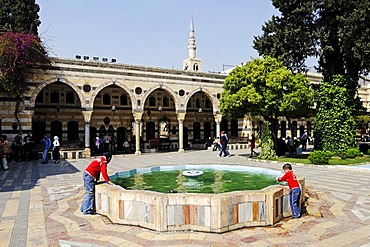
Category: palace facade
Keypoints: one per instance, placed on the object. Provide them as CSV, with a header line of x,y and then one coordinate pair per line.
x,y
80,99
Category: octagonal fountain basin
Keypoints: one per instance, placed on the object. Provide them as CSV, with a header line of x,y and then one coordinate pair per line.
x,y
208,198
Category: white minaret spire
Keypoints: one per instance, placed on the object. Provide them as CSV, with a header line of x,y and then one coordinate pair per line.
x,y
192,63
192,47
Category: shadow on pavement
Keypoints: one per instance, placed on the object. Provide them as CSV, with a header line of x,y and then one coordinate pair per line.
x,y
25,175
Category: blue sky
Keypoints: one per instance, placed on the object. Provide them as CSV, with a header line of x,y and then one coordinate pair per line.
x,y
154,32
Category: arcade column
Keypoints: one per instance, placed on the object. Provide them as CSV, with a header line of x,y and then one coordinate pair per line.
x,y
181,118
137,118
87,118
218,119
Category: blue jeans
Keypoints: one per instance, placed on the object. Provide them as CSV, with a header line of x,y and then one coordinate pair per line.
x,y
295,194
89,184
45,155
224,150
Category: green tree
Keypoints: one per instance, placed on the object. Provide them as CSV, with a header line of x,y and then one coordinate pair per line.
x,y
334,122
265,87
19,16
335,31
268,148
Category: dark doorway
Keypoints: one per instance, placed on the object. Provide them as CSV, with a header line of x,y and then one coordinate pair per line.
x,y
207,130
294,129
309,128
121,137
150,131
56,130
196,132
283,129
93,135
72,131
38,131
234,127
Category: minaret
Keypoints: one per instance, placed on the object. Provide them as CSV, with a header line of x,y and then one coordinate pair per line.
x,y
192,63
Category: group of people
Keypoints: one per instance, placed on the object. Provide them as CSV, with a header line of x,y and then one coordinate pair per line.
x,y
104,143
21,149
293,146
47,145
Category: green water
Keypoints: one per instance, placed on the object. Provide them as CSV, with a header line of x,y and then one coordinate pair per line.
x,y
211,181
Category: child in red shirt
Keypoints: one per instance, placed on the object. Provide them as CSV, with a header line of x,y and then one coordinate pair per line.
x,y
295,190
90,176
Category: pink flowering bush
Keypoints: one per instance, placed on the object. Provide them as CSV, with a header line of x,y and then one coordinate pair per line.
x,y
18,52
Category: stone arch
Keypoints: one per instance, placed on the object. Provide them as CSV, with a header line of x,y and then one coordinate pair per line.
x,y
207,93
165,88
110,83
41,86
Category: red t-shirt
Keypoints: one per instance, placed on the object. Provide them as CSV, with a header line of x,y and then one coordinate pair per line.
x,y
291,179
98,166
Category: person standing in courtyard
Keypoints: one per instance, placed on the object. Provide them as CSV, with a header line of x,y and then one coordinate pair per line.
x,y
18,147
5,151
224,140
295,190
91,176
28,146
56,148
304,139
46,144
252,145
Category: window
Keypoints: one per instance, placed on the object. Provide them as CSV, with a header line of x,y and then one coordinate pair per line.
x,y
152,101
208,104
197,103
166,101
54,97
70,98
123,100
138,90
106,99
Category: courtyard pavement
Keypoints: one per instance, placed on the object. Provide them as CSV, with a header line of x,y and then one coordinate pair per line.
x,y
39,206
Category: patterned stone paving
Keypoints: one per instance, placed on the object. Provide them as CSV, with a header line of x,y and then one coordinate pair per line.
x,y
39,206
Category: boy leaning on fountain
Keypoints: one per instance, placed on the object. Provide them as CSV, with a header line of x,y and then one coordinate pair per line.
x,y
91,176
295,190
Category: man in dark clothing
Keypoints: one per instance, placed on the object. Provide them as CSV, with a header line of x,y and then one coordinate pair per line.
x,y
18,147
224,140
28,146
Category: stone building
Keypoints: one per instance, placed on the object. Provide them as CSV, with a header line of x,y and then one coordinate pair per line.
x,y
80,99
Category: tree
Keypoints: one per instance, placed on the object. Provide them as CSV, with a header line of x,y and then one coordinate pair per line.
x,y
334,122
265,87
18,52
267,149
19,16
335,31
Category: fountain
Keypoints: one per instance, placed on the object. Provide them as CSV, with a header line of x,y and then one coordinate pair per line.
x,y
210,210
